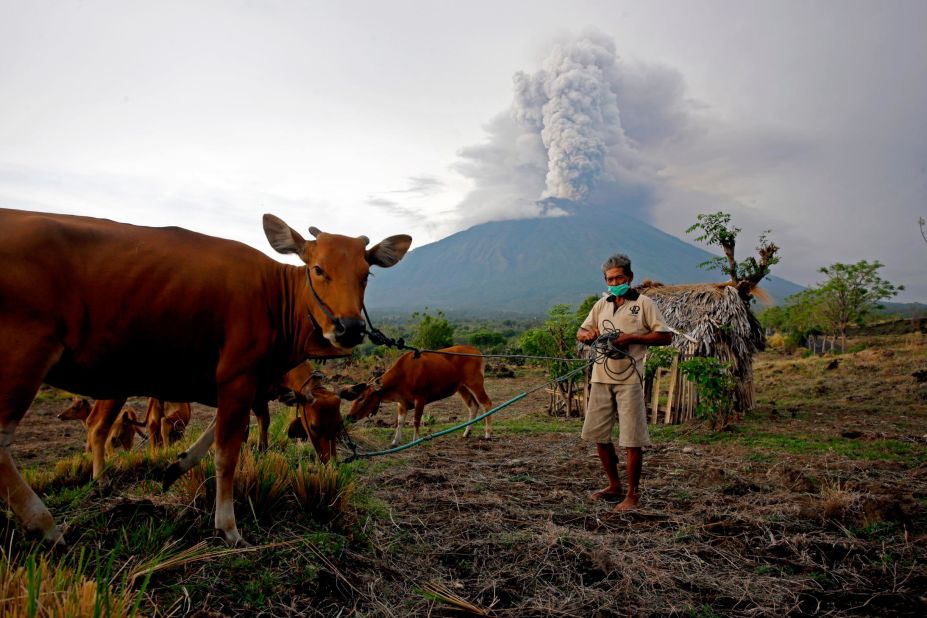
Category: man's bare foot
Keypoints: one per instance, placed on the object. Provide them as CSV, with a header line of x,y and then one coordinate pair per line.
x,y
609,494
628,504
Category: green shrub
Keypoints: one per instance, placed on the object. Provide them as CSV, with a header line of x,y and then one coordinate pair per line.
x,y
715,384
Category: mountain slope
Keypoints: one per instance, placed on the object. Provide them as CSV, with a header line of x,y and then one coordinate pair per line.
x,y
528,265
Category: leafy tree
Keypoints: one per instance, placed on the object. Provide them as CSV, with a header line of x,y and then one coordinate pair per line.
x,y
488,340
799,315
585,307
557,338
921,223
852,293
432,332
716,229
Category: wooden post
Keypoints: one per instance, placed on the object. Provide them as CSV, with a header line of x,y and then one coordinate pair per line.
x,y
674,376
655,395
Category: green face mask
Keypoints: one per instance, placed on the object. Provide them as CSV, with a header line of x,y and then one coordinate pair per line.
x,y
618,290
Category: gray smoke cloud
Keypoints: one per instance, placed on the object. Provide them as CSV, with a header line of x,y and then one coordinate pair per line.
x,y
572,102
578,131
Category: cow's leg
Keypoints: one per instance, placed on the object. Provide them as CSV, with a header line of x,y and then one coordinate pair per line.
x,y
419,409
401,409
189,457
104,414
167,425
23,366
235,399
480,393
472,407
262,414
154,415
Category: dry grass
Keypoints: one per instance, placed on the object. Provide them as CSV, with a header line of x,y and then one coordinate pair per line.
x,y
40,588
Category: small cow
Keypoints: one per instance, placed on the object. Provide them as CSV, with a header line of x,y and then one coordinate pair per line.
x,y
315,404
416,382
318,417
166,422
121,433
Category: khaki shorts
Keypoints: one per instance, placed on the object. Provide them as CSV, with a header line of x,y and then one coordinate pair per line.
x,y
624,401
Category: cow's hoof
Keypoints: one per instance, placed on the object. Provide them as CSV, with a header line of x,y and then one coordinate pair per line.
x,y
233,539
171,474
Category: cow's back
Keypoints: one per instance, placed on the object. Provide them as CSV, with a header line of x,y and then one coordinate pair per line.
x,y
138,310
435,376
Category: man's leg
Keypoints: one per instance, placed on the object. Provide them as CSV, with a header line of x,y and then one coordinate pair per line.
x,y
609,460
632,434
597,428
635,461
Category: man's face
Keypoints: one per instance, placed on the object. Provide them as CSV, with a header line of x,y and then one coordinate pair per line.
x,y
616,276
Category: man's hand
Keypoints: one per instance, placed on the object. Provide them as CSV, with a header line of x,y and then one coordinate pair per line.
x,y
587,336
623,341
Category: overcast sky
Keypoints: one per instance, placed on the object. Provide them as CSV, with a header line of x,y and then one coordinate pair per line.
x,y
377,118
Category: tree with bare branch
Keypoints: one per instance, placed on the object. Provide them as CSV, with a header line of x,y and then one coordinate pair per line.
x,y
716,229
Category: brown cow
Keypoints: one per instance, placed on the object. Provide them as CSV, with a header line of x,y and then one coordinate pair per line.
x,y
217,318
416,382
166,422
323,420
121,434
318,417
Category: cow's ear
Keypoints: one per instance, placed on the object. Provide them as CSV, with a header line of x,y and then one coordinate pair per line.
x,y
389,250
353,392
281,236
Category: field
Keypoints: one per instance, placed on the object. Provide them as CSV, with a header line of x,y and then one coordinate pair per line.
x,y
816,503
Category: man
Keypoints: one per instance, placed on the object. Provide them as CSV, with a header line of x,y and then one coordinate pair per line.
x,y
616,385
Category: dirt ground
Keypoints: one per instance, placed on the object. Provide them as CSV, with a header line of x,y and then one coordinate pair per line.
x,y
794,513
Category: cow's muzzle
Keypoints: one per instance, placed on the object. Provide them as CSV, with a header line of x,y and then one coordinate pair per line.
x,y
349,332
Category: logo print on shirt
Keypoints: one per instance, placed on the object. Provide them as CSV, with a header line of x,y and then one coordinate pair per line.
x,y
635,309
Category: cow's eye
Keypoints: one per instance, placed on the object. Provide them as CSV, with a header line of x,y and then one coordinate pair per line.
x,y
318,271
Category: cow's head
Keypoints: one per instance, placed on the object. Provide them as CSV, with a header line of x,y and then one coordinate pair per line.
x,y
366,397
337,268
318,421
79,410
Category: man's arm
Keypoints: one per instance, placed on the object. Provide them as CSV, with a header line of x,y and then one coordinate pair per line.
x,y
652,338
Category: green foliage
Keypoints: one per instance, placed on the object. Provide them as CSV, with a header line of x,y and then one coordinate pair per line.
x,y
799,315
715,384
585,307
852,293
658,356
716,230
490,342
556,338
432,332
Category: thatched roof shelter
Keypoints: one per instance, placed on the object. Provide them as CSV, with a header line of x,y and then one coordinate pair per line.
x,y
721,321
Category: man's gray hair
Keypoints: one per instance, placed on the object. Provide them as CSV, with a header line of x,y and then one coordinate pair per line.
x,y
619,260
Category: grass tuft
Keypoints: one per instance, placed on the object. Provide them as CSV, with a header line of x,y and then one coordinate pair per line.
x,y
36,587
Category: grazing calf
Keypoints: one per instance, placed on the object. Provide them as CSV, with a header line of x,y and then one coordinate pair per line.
x,y
302,385
166,422
121,433
416,382
218,321
318,417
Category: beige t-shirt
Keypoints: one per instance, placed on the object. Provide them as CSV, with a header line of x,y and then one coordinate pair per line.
x,y
635,317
